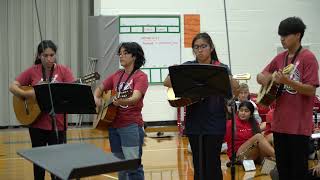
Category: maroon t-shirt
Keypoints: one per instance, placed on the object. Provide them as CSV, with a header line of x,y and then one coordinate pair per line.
x,y
293,111
128,114
33,76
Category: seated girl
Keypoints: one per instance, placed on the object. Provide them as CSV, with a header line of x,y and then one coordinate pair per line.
x,y
249,143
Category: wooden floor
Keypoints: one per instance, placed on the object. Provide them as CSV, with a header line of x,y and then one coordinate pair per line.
x,y
163,158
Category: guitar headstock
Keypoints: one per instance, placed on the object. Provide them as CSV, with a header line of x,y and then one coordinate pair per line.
x,y
244,76
288,69
89,78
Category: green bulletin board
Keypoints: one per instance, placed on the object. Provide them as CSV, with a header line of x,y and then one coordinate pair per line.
x,y
160,38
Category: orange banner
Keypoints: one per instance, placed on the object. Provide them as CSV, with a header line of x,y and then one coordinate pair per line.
x,y
191,28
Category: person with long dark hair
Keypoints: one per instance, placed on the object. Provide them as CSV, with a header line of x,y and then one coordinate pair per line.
x,y
292,122
126,133
206,119
249,142
45,69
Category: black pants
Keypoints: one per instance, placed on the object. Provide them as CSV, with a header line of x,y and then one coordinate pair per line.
x,y
40,137
209,165
291,156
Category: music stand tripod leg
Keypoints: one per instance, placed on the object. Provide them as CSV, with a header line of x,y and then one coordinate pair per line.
x,y
200,156
233,153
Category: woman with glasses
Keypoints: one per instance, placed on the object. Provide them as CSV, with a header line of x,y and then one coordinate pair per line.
x,y
126,133
45,69
206,119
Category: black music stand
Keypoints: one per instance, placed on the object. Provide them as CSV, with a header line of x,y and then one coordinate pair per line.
x,y
72,160
63,98
67,98
69,161
200,81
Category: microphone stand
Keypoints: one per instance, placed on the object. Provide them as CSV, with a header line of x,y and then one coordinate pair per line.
x,y
233,157
233,125
52,112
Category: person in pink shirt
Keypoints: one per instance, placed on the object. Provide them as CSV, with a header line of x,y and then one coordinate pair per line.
x,y
126,133
249,142
292,122
45,69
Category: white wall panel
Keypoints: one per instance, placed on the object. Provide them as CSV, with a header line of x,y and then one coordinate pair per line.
x,y
252,28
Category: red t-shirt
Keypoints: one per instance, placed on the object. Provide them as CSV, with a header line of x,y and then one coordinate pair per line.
x,y
242,134
128,114
33,76
293,111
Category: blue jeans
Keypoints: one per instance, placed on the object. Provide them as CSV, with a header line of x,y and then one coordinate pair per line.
x,y
128,141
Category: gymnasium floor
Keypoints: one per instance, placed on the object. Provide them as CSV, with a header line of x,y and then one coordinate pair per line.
x,y
163,158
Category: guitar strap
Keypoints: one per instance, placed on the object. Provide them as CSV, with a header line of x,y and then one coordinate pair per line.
x,y
118,84
280,89
44,76
294,57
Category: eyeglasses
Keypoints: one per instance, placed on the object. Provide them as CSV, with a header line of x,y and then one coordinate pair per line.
x,y
203,46
123,54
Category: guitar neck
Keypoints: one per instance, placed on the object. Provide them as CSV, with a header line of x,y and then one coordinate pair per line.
x,y
89,78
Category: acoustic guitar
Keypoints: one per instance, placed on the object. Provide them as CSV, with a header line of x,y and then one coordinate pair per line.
x,y
27,110
107,111
180,102
268,94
